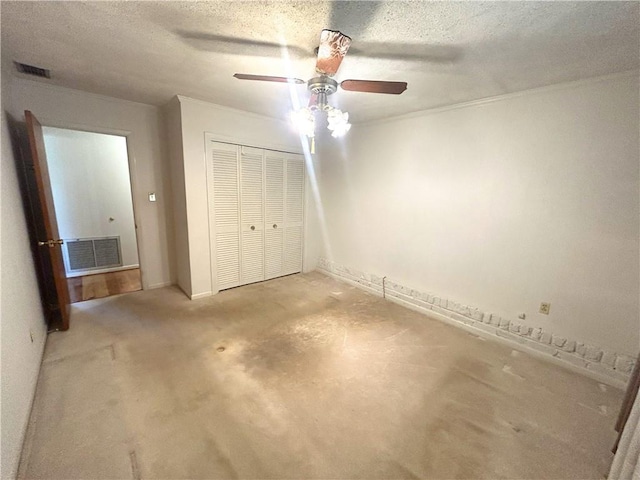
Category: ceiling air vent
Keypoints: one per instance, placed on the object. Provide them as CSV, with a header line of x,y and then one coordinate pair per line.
x,y
31,70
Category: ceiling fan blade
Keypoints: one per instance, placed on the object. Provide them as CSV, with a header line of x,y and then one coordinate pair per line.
x,y
373,86
333,47
267,78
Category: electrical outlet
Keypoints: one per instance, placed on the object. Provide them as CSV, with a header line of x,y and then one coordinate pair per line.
x,y
544,308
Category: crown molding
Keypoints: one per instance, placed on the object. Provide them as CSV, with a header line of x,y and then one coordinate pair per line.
x,y
504,97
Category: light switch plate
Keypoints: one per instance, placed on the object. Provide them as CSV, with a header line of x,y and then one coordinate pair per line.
x,y
152,197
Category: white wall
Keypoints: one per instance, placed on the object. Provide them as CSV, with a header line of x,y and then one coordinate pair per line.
x,y
235,126
179,202
90,182
144,127
21,313
502,205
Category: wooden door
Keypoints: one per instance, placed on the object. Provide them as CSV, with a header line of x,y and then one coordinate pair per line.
x,y
50,247
252,215
224,207
294,214
274,214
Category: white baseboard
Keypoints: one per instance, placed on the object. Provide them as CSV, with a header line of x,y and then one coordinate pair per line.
x,y
200,295
604,366
159,285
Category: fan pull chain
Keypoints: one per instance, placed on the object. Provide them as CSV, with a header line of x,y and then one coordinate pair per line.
x,y
313,145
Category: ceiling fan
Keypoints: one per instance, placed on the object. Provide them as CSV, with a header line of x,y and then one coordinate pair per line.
x,y
332,49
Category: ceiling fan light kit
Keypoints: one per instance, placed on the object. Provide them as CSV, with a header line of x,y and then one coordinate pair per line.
x,y
338,122
304,121
332,49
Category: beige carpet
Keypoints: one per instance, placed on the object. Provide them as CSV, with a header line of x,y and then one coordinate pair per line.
x,y
302,377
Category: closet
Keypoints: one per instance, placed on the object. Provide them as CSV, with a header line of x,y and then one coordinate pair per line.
x,y
256,209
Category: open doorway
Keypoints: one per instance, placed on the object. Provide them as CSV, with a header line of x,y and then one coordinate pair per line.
x,y
91,186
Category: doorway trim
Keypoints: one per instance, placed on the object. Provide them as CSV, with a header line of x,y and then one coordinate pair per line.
x,y
133,178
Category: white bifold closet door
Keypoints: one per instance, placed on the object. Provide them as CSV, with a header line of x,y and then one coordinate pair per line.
x,y
224,200
252,214
293,214
274,214
256,206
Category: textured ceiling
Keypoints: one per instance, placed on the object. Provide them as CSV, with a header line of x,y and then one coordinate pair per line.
x,y
448,52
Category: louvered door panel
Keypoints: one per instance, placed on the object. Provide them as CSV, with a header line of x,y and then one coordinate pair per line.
x,y
294,214
224,207
228,259
273,246
274,214
252,216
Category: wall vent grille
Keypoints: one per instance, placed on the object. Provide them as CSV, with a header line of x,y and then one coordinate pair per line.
x,y
33,70
92,253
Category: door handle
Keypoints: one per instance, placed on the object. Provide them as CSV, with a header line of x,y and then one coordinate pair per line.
x,y
253,227
275,226
51,243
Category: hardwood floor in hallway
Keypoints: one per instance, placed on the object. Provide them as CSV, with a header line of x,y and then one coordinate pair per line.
x,y
100,285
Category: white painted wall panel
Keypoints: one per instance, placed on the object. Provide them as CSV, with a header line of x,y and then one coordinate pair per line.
x,y
21,315
501,205
173,131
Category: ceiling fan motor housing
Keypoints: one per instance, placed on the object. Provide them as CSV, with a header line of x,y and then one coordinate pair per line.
x,y
322,86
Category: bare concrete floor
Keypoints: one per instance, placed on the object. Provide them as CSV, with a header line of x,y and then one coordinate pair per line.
x,y
302,377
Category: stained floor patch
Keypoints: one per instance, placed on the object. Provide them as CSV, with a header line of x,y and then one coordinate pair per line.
x,y
282,380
